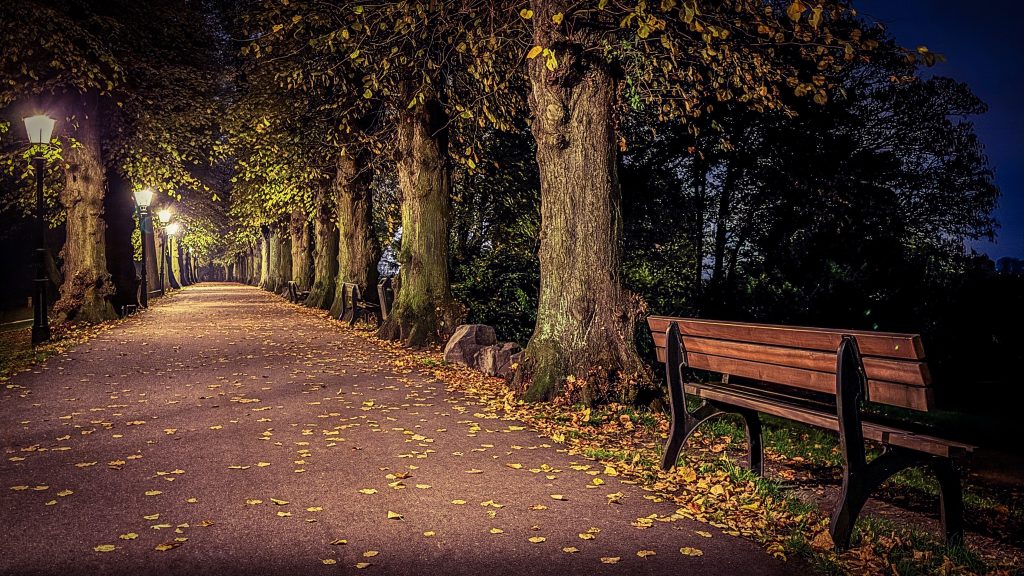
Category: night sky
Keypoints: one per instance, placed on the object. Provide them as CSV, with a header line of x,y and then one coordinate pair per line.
x,y
984,46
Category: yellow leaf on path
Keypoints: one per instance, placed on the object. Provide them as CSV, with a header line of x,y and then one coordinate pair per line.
x,y
538,507
263,464
536,539
192,500
570,549
526,13
534,52
19,488
370,553
586,536
338,542
474,471
368,491
429,533
362,565
329,561
611,471
50,503
105,548
85,464
153,493
717,490
284,514
152,516
253,502
514,466
702,533
458,502
558,497
645,553
315,509
166,546
40,488
394,515
423,486
597,481
128,536
497,531
609,559
278,502
687,551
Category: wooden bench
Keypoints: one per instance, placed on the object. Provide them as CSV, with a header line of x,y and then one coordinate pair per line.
x,y
386,296
818,377
294,294
354,305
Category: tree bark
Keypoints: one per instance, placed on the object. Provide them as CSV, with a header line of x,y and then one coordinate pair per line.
x,y
273,263
358,248
582,343
424,310
284,266
84,295
325,254
302,257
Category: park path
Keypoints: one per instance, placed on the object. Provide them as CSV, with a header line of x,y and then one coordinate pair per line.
x,y
226,431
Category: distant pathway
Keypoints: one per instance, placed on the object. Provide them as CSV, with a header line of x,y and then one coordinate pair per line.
x,y
225,431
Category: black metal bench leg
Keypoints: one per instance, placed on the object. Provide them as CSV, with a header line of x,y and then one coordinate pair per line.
x,y
753,424
683,421
951,500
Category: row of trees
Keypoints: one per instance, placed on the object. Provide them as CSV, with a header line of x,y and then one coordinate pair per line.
x,y
554,168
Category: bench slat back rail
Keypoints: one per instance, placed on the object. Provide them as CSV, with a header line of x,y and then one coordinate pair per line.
x,y
804,357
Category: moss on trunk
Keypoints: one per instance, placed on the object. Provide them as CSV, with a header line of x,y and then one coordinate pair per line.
x,y
301,256
583,343
85,293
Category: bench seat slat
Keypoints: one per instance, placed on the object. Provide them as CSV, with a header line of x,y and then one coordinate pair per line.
x,y
880,344
880,391
909,372
877,432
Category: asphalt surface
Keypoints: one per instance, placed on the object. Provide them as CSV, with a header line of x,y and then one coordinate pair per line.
x,y
226,431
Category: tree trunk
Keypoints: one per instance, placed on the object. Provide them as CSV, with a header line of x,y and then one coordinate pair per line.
x,y
424,310
582,343
117,213
174,246
358,249
700,184
325,262
84,295
732,176
284,266
272,260
302,257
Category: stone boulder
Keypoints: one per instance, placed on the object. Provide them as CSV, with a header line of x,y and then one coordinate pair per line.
x,y
467,340
497,359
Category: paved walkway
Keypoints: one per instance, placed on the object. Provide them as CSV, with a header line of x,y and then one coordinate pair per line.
x,y
225,431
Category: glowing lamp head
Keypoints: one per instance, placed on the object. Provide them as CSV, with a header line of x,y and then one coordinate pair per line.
x,y
39,128
144,197
173,229
164,215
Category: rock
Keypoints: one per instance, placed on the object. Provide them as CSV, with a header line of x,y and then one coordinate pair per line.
x,y
497,360
467,340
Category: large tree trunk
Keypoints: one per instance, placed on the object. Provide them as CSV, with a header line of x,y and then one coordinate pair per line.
x,y
272,260
117,211
174,247
284,266
325,262
302,257
358,248
424,310
583,340
85,293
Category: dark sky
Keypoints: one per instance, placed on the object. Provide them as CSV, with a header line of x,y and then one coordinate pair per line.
x,y
983,41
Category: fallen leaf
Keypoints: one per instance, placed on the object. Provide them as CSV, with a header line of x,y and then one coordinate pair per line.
x,y
609,559
153,493
645,553
315,509
192,500
128,536
151,516
338,542
253,502
536,539
166,546
423,486
497,531
514,466
586,536
458,502
702,533
368,491
284,514
362,565
370,553
558,497
687,551
105,548
429,533
394,516
262,464
570,549
474,471
329,561
278,502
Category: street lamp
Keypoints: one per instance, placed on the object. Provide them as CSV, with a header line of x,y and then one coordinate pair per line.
x,y
172,230
165,216
143,198
40,130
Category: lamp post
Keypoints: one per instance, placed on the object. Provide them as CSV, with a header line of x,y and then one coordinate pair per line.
x,y
164,216
143,198
40,130
172,230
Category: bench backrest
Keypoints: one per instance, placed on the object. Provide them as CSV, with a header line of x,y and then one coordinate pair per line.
x,y
804,358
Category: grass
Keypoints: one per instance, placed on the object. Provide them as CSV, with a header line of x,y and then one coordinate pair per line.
x,y
911,552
